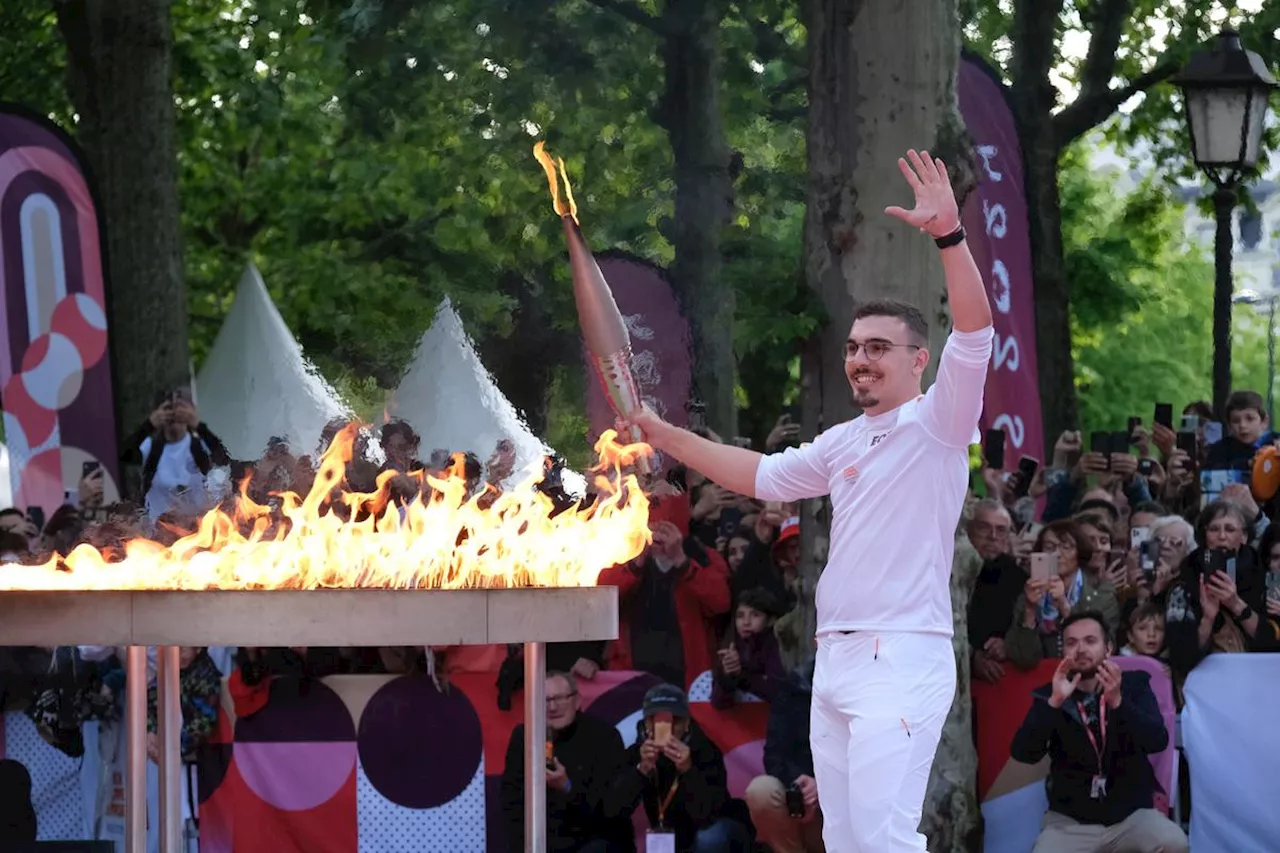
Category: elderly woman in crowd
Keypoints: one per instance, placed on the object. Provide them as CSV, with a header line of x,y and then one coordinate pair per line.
x,y
1044,603
1216,600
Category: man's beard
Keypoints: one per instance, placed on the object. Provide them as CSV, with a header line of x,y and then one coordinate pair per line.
x,y
865,399
1088,673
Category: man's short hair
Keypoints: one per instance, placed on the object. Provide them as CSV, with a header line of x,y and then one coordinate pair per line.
x,y
568,679
1243,401
986,505
917,326
1082,616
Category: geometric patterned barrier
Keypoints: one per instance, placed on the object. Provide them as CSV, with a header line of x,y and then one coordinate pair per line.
x,y
384,764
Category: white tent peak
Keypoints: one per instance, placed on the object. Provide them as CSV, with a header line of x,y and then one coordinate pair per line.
x,y
256,383
451,400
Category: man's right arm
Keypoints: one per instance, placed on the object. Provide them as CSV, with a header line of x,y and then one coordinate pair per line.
x,y
796,474
727,465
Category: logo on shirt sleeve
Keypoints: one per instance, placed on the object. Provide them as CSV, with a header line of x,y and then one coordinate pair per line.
x,y
851,473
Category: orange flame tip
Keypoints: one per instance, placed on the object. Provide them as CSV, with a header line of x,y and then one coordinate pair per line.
x,y
567,207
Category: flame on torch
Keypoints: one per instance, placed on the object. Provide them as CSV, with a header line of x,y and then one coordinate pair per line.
x,y
568,207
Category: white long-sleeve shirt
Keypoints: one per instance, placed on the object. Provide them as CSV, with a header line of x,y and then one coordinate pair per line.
x,y
897,483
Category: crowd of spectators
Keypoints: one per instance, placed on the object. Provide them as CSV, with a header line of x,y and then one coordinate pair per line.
x,y
1142,550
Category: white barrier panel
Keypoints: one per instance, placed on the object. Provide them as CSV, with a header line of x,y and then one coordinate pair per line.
x,y
1232,743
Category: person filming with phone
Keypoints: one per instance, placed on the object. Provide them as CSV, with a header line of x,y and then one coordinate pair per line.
x,y
680,779
177,451
1098,725
784,801
1214,603
1058,586
584,757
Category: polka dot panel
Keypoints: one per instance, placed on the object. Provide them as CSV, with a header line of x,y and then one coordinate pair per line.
x,y
55,779
458,826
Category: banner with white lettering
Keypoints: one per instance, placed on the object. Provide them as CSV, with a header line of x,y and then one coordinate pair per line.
x,y
1232,745
995,217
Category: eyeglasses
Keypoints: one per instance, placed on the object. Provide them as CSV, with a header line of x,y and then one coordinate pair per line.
x,y
875,350
1172,544
1052,546
987,529
561,699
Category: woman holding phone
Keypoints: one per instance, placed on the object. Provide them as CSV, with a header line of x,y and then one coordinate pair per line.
x,y
1057,587
1217,601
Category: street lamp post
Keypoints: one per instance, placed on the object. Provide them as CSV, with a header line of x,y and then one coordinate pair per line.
x,y
1225,90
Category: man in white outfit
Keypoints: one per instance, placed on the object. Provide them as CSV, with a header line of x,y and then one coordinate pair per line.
x,y
897,477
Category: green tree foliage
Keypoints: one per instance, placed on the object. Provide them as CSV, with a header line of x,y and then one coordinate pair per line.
x,y
373,156
1141,324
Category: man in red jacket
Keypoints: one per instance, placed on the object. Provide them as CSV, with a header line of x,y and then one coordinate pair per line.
x,y
668,597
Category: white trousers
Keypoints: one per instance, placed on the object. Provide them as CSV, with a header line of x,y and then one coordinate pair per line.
x,y
879,702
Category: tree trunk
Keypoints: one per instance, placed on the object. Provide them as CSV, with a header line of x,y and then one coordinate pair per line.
x,y
873,94
119,77
952,813
1033,98
690,113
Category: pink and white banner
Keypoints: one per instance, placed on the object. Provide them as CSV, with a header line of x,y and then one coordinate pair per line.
x,y
55,372
995,217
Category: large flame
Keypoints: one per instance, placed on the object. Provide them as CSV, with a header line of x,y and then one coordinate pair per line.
x,y
567,207
447,541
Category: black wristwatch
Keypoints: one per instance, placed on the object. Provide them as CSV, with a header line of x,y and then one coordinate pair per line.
x,y
955,238
1244,614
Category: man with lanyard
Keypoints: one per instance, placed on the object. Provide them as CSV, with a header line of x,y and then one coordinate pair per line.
x,y
680,778
1098,726
897,477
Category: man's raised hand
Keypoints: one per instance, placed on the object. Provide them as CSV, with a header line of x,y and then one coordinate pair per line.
x,y
936,211
1063,684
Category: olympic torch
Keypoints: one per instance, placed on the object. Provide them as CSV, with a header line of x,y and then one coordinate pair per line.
x,y
598,315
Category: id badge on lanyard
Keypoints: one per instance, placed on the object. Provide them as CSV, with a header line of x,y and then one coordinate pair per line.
x,y
660,841
1098,784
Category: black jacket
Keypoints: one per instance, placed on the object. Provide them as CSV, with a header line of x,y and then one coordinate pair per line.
x,y
1134,731
593,756
787,754
697,802
991,605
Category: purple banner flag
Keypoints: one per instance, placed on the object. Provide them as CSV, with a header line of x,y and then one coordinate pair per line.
x,y
995,216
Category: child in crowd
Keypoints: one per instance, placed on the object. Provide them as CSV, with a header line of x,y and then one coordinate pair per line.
x,y
1248,429
1145,629
750,660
